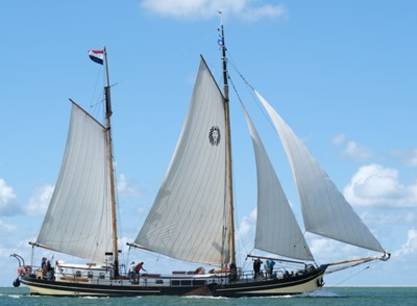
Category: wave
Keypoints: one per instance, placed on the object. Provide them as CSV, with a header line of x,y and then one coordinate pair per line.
x,y
206,297
320,293
89,297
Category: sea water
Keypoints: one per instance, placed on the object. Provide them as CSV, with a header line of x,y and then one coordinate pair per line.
x,y
381,296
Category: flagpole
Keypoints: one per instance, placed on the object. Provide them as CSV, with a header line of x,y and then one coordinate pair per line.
x,y
107,96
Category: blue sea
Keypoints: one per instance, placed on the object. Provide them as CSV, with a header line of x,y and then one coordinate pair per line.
x,y
327,296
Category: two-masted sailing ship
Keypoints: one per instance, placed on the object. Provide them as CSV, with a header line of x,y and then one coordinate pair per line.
x,y
192,218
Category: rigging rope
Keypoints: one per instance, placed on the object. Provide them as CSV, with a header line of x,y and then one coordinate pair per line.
x,y
239,73
352,275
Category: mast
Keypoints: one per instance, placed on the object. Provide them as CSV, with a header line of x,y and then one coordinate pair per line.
x,y
229,174
109,112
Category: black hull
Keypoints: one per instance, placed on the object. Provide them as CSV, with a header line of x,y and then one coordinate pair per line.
x,y
295,285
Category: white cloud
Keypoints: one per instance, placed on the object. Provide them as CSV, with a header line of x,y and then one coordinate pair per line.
x,y
339,139
124,187
196,9
6,192
6,228
247,224
351,149
410,246
375,185
7,199
328,250
39,201
385,218
407,157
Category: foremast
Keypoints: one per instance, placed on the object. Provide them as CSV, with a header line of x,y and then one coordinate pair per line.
x,y
230,225
107,97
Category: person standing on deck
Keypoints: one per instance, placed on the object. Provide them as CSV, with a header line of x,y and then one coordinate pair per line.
x,y
269,267
139,267
257,267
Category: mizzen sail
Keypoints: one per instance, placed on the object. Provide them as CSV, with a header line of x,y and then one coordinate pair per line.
x,y
187,218
277,230
325,210
78,219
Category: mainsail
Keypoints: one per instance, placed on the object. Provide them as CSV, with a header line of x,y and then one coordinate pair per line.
x,y
277,230
187,218
325,210
78,220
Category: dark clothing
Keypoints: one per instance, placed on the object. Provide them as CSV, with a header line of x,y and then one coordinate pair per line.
x,y
43,263
233,272
257,267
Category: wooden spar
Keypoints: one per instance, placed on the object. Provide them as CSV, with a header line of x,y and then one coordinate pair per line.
x,y
107,96
384,257
229,171
355,262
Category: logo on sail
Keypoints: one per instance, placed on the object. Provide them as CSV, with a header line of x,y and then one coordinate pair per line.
x,y
214,135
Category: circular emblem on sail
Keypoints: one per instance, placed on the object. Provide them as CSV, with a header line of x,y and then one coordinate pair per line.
x,y
214,135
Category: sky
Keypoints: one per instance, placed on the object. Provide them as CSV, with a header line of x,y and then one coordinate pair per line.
x,y
341,73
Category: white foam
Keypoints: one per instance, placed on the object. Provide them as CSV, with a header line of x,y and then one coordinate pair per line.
x,y
14,296
90,297
286,296
320,293
205,297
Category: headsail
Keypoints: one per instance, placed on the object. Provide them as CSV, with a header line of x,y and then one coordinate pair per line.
x,y
187,217
78,220
325,210
277,230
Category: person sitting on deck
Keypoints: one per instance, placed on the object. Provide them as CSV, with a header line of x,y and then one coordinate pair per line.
x,y
200,270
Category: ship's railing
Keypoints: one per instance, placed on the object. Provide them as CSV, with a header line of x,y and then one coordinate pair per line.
x,y
280,273
103,275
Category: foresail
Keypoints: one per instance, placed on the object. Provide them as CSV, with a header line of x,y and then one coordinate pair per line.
x,y
277,230
187,217
78,220
325,210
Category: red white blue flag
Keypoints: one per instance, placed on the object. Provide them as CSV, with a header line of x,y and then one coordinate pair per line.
x,y
96,56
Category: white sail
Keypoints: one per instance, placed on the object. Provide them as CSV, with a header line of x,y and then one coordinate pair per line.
x,y
325,210
187,217
277,230
78,220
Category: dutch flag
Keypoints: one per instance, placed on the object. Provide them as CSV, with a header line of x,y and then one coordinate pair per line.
x,y
96,56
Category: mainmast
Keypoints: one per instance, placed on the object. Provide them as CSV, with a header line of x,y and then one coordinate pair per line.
x,y
109,112
229,174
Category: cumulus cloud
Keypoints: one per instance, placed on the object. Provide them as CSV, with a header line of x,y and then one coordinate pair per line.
x,y
247,224
384,218
124,187
351,149
410,246
407,157
39,201
328,250
8,205
195,9
375,185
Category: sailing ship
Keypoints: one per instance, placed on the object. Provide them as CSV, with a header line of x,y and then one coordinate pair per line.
x,y
192,218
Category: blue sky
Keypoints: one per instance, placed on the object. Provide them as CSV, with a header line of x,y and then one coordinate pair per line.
x,y
342,74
